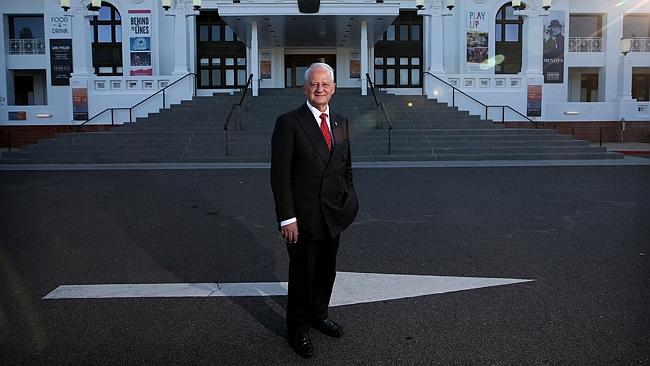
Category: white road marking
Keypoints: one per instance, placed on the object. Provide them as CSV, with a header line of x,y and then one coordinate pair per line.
x,y
349,288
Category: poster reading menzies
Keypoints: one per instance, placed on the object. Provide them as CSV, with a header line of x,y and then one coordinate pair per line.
x,y
554,47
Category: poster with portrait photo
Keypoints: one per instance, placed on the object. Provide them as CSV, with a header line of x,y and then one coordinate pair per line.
x,y
554,47
140,28
477,44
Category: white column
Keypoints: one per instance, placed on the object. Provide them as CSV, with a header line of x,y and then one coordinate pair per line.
x,y
180,39
255,56
534,44
371,63
364,57
624,87
81,52
436,53
426,32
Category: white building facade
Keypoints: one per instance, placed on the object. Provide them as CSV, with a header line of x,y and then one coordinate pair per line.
x,y
564,64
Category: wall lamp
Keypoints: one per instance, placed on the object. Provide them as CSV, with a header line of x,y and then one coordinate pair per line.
x,y
196,4
517,5
546,5
626,45
420,4
95,5
450,5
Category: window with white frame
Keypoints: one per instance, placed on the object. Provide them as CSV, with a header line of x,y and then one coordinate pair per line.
x,y
585,33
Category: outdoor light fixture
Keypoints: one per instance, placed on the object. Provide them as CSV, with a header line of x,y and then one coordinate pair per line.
x,y
517,5
308,6
420,5
65,5
197,4
166,4
571,113
44,115
95,5
626,45
547,5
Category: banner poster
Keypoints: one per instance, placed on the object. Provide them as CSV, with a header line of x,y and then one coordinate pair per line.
x,y
61,61
59,28
80,104
140,42
554,47
534,105
477,41
265,65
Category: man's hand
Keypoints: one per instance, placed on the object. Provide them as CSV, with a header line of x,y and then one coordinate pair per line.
x,y
290,232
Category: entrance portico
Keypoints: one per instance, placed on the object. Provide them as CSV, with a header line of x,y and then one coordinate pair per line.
x,y
350,26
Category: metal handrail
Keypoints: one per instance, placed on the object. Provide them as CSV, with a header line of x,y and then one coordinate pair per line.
x,y
9,140
381,107
600,132
130,109
232,109
487,107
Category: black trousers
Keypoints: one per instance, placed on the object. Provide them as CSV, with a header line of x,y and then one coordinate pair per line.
x,y
312,270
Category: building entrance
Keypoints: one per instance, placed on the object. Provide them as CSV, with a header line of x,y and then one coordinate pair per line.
x,y
296,65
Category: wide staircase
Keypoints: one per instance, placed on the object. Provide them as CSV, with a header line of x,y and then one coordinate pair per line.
x,y
193,132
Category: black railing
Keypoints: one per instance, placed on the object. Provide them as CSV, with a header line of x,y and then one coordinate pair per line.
x,y
503,108
8,133
381,109
600,133
130,109
236,106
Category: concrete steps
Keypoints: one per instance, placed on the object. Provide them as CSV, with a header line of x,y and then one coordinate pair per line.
x,y
193,132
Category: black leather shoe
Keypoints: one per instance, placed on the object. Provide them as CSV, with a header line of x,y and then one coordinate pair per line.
x,y
329,327
301,344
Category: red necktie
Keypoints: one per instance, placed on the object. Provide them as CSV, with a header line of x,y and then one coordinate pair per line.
x,y
326,131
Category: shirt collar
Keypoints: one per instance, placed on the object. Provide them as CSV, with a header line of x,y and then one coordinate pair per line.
x,y
317,113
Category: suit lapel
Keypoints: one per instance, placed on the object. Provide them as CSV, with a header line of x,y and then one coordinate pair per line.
x,y
338,128
310,126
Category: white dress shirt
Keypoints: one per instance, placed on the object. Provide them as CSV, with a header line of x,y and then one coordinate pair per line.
x,y
316,114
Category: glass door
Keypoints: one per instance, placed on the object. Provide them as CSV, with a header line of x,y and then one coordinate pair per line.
x,y
296,65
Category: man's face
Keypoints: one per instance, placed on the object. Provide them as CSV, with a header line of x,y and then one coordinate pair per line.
x,y
320,88
555,30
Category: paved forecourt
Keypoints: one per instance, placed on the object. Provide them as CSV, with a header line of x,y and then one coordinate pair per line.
x,y
503,265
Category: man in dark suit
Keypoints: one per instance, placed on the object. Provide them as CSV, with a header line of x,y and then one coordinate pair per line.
x,y
315,200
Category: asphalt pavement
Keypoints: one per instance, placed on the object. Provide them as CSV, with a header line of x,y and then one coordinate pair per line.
x,y
581,232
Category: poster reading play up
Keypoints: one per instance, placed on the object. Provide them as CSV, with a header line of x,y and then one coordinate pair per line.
x,y
554,47
140,42
477,41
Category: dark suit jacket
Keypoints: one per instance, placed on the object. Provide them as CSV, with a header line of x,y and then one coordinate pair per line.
x,y
309,182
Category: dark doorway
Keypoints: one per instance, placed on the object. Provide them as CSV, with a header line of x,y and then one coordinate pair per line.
x,y
24,88
296,65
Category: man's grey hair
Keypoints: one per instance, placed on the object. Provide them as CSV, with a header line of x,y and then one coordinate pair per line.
x,y
315,66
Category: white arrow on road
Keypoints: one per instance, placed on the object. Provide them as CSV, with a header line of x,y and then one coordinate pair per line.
x,y
350,288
